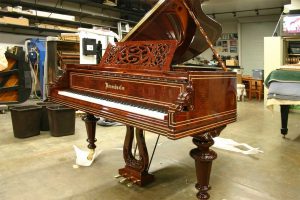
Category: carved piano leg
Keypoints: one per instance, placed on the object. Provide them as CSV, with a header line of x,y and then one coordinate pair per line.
x,y
203,160
90,124
284,110
136,170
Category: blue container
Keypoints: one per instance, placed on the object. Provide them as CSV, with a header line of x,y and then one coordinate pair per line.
x,y
258,74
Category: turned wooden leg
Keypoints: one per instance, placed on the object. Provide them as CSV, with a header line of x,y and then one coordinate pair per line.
x,y
284,110
90,124
136,170
203,160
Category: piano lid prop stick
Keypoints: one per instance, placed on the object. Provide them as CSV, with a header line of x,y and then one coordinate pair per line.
x,y
205,36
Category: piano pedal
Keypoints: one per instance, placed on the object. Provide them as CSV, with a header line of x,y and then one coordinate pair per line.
x,y
117,176
133,182
123,180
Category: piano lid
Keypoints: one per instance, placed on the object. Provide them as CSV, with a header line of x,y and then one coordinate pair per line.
x,y
169,20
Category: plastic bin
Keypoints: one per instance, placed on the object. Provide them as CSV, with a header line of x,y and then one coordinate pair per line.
x,y
26,120
44,126
258,74
61,120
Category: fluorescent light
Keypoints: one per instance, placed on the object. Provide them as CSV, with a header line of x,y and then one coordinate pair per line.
x,y
110,2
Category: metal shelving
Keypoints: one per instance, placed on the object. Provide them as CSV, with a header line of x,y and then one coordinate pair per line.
x,y
32,30
46,19
117,9
82,15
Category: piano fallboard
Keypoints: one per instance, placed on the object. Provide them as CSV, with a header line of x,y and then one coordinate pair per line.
x,y
124,87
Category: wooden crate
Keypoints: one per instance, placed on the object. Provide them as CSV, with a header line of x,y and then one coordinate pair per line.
x,y
17,21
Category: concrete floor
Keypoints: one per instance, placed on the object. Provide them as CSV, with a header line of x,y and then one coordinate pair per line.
x,y
40,167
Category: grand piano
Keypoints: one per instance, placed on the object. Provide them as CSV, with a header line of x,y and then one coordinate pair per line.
x,y
140,83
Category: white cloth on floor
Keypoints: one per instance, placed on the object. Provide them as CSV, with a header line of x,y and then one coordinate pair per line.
x,y
82,157
231,145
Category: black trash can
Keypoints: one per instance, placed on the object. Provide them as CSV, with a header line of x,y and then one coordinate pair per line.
x,y
26,120
61,120
44,126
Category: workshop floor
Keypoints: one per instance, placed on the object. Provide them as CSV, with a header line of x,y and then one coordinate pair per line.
x,y
41,167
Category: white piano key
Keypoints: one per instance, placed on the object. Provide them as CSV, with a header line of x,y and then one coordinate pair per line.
x,y
111,104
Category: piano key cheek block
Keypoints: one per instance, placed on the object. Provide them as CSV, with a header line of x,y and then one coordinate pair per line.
x,y
138,84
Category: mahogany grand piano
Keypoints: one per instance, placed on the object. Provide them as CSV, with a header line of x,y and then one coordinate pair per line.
x,y
138,83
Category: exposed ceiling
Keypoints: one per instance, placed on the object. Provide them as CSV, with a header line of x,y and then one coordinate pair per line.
x,y
219,6
223,10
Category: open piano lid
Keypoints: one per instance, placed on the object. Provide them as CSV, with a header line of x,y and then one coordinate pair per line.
x,y
170,20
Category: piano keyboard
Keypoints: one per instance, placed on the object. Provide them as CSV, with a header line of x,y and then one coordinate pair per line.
x,y
117,105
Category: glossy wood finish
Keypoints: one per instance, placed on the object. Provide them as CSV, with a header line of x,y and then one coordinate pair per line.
x,y
90,124
170,20
198,103
140,55
203,160
15,80
206,110
136,170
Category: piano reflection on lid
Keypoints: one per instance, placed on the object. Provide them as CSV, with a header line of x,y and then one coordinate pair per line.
x,y
137,85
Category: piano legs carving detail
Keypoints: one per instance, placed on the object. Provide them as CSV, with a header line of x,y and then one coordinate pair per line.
x,y
136,170
90,124
203,160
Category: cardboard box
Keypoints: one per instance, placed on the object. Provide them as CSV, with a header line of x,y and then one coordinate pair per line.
x,y
232,62
17,21
70,37
8,8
